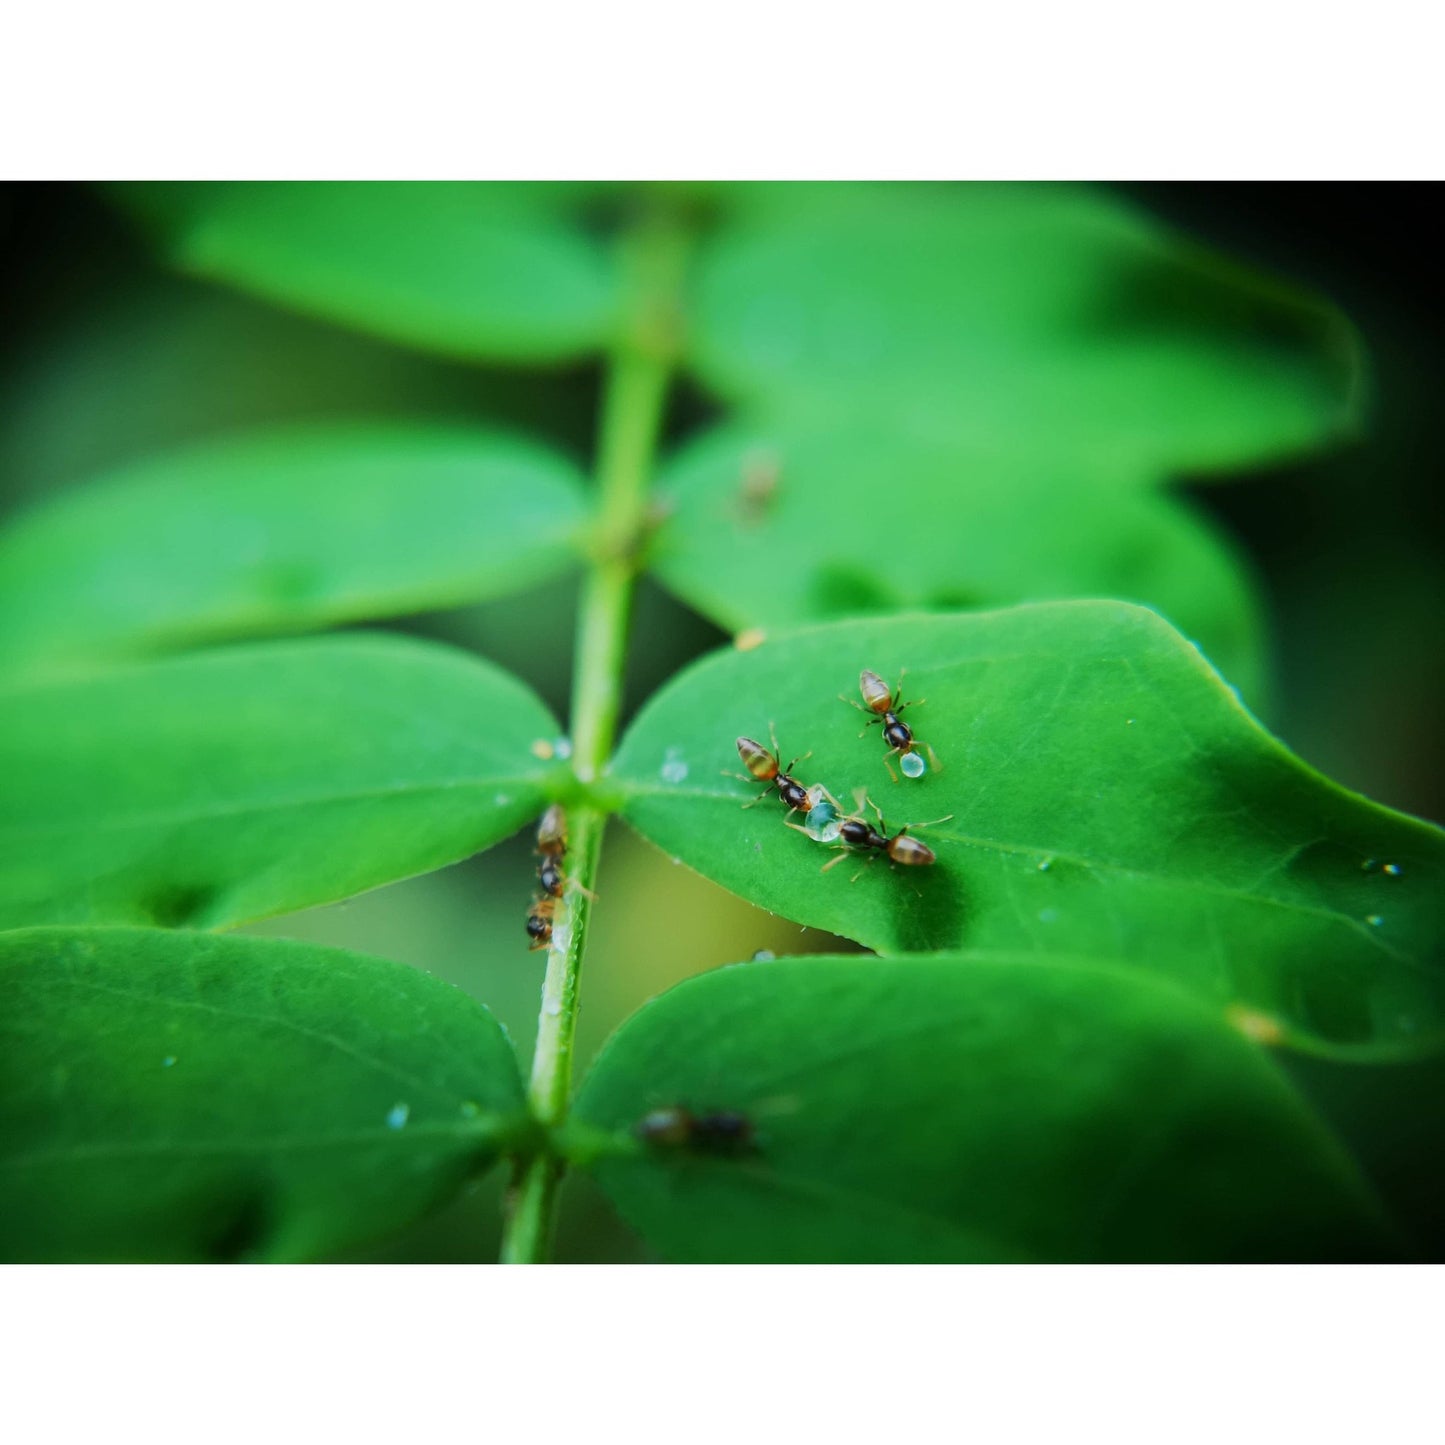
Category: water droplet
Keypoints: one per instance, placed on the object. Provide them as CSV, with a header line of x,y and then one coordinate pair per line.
x,y
1374,920
398,1116
1048,915
502,799
563,747
470,1110
1045,864
674,770
1393,869
764,955
168,1061
552,1007
1128,722
823,824
912,765
676,862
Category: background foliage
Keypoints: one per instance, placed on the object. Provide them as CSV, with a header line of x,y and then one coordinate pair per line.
x,y
1323,627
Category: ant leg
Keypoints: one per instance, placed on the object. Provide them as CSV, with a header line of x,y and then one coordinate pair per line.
x,y
858,705
758,799
890,753
931,823
834,862
933,758
581,888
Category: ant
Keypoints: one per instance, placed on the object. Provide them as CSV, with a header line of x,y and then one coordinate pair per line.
x,y
758,489
857,835
719,1131
886,705
763,767
539,923
552,846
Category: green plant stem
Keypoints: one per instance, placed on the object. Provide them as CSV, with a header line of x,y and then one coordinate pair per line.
x,y
638,375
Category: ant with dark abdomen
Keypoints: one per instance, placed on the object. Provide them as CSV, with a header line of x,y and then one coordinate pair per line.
x,y
886,704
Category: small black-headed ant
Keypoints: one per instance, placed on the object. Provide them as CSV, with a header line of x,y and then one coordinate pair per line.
x,y
763,767
886,704
552,845
857,835
719,1131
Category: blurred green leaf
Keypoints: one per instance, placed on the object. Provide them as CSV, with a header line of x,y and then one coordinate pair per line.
x,y
1039,322
474,270
972,1108
283,531
176,1096
772,526
1108,796
224,786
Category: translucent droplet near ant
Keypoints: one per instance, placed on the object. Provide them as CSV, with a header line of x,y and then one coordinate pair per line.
x,y
823,822
911,765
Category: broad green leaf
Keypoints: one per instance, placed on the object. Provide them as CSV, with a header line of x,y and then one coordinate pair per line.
x,y
1108,796
473,270
1035,322
777,525
971,1108
177,1096
214,788
283,531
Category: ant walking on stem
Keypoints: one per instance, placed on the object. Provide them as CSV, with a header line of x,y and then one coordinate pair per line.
x,y
886,704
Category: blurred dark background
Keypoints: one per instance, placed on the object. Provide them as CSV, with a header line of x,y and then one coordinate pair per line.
x,y
106,357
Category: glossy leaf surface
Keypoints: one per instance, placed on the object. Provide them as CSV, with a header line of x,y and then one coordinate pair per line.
x,y
282,531
777,525
224,786
1026,321
970,1108
177,1096
1108,796
471,270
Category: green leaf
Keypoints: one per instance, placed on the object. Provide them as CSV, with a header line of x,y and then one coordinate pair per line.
x,y
772,526
283,531
1109,797
176,1096
215,788
477,271
971,1108
1026,321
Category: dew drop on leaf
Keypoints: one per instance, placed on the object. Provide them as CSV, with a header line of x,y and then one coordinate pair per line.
x,y
168,1061
398,1116
1393,869
1374,920
912,765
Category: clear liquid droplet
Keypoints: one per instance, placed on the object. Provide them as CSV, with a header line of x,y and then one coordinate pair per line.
x,y
1374,920
912,765
822,823
168,1061
398,1116
1393,869
1045,864
764,955
673,770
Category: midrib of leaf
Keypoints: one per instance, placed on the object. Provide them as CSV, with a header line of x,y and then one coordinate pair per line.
x,y
1100,865
181,817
